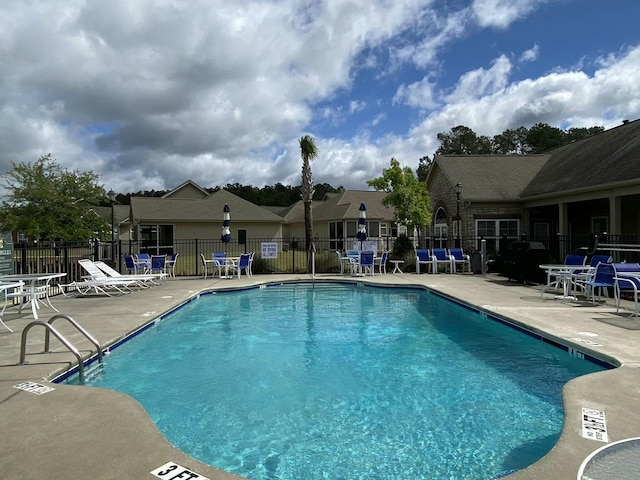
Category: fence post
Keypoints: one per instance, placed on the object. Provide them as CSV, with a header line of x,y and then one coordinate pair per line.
x,y
197,257
23,259
293,254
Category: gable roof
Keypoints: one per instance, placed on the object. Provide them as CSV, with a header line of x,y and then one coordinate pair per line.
x,y
120,213
486,178
342,206
612,156
188,189
199,209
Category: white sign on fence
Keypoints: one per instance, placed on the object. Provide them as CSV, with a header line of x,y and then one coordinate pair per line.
x,y
269,250
367,246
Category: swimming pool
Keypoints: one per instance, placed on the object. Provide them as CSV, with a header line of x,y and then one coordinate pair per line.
x,y
344,381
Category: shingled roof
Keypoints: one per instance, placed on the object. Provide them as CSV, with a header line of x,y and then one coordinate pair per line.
x,y
487,178
612,156
600,161
342,206
199,209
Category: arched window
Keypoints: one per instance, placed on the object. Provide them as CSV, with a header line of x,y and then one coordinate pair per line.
x,y
440,228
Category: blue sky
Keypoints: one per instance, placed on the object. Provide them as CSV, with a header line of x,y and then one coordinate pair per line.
x,y
150,93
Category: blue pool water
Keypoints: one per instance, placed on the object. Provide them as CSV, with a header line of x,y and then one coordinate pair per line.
x,y
346,382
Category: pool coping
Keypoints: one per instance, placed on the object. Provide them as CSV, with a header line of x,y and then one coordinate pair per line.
x,y
613,390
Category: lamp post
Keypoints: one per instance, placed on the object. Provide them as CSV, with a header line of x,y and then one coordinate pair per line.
x,y
112,199
458,190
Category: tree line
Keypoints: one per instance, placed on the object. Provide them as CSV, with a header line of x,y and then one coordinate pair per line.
x,y
277,195
540,138
46,201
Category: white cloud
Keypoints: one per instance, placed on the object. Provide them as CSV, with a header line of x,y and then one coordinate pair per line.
x,y
501,13
419,94
530,55
571,98
479,83
149,93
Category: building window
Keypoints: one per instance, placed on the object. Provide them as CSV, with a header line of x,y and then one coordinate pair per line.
x,y
352,228
599,225
384,230
156,239
373,229
497,233
336,235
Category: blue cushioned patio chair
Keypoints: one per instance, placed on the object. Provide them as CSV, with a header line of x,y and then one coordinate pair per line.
x,y
602,281
628,284
144,260
207,266
366,263
580,276
441,257
458,257
423,257
554,280
381,262
158,264
171,264
132,266
251,257
341,261
244,263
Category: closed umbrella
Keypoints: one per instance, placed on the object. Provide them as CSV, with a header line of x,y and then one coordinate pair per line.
x,y
226,224
362,225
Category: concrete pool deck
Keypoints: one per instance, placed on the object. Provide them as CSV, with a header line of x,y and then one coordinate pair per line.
x,y
87,433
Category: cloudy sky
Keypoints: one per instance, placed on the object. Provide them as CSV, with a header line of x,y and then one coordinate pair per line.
x,y
150,93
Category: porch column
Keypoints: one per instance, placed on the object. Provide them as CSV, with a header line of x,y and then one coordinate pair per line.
x,y
615,215
563,219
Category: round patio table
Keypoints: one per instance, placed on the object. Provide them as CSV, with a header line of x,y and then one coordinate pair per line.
x,y
615,461
396,267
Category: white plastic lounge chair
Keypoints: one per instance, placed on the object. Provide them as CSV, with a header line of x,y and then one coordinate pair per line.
x,y
98,282
144,280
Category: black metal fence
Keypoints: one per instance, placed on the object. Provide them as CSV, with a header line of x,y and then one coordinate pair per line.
x,y
288,255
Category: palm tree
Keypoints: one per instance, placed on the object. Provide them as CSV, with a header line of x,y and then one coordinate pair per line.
x,y
308,151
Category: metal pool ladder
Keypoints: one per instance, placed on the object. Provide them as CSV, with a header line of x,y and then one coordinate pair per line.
x,y
50,330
